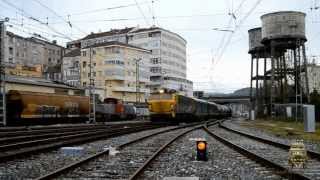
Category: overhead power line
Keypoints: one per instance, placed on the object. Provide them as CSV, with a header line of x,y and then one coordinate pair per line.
x,y
108,9
145,19
56,14
29,16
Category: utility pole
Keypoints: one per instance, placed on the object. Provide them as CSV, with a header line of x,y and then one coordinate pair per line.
x,y
137,61
3,113
92,109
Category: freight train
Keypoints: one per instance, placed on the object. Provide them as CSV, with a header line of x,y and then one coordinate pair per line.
x,y
166,105
44,108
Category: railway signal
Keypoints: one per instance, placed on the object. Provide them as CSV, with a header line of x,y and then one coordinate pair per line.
x,y
202,150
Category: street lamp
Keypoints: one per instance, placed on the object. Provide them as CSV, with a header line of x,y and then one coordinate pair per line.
x,y
137,61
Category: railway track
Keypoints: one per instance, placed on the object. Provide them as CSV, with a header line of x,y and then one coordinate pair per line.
x,y
268,153
132,159
12,147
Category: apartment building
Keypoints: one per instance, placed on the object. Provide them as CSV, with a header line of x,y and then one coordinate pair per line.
x,y
168,61
120,69
36,57
71,68
168,54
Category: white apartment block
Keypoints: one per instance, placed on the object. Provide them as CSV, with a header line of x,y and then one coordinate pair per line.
x,y
115,66
168,54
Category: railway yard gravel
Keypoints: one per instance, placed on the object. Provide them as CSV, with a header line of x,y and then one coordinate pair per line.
x,y
125,162
272,153
36,165
236,124
223,162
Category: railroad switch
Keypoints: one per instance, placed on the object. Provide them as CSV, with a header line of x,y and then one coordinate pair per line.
x,y
202,150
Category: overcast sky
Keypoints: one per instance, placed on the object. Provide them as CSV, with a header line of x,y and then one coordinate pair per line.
x,y
217,61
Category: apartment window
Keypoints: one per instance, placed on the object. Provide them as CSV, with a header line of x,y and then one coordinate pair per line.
x,y
84,53
84,83
10,50
93,52
115,50
10,60
155,61
11,39
84,64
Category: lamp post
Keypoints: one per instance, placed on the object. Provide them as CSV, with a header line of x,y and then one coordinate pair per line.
x,y
2,69
137,62
163,73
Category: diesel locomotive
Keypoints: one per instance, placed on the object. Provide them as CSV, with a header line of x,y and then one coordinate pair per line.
x,y
171,106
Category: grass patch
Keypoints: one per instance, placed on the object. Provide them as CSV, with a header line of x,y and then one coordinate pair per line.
x,y
287,128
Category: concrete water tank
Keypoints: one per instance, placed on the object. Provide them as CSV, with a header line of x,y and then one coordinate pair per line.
x,y
255,40
283,25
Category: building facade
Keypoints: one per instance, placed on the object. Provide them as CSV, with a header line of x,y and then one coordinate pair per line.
x,y
38,58
71,68
119,69
168,54
168,61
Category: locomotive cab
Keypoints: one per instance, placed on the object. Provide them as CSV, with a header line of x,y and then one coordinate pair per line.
x,y
162,105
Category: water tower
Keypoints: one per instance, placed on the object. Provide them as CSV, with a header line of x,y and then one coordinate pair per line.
x,y
283,37
258,53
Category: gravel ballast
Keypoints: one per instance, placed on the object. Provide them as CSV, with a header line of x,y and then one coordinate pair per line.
x,y
314,146
40,164
272,153
223,163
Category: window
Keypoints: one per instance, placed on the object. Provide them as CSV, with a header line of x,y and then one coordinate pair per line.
x,y
11,50
84,53
84,83
93,52
155,61
84,64
115,50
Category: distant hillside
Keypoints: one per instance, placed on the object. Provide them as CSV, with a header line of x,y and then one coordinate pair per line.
x,y
239,92
242,92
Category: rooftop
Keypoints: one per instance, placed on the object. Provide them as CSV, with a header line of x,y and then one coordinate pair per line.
x,y
38,82
33,39
109,33
126,31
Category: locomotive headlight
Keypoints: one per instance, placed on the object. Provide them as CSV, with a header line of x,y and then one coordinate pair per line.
x,y
161,91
